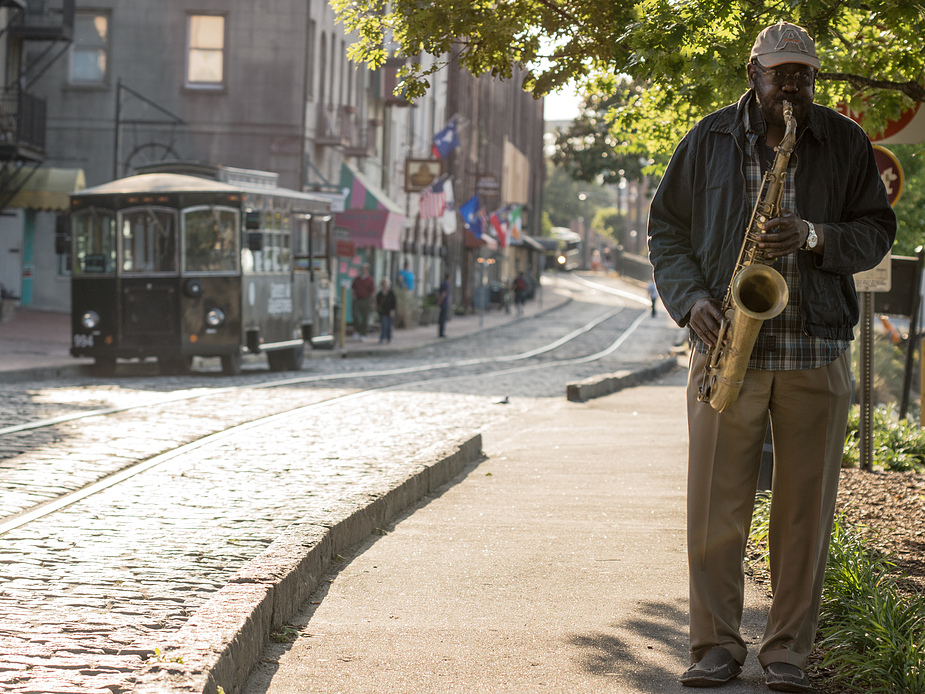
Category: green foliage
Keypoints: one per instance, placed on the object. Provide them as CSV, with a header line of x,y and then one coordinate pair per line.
x,y
691,54
546,224
889,361
286,634
160,657
761,528
870,634
873,637
910,209
562,201
610,222
594,149
897,445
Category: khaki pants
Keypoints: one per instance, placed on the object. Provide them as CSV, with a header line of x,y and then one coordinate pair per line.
x,y
808,412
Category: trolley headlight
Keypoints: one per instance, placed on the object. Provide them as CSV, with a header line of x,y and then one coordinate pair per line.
x,y
561,260
215,317
90,320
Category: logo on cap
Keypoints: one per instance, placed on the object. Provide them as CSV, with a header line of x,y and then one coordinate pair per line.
x,y
790,40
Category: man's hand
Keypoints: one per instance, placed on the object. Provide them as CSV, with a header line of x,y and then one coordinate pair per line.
x,y
705,320
783,235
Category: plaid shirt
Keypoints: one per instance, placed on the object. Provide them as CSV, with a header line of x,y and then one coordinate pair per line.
x,y
782,344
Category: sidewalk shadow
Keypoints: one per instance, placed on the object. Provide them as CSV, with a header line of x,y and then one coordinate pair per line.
x,y
647,651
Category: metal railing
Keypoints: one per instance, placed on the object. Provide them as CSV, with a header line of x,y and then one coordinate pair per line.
x,y
341,126
22,120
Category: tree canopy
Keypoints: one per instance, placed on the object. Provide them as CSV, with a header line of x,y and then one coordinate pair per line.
x,y
689,54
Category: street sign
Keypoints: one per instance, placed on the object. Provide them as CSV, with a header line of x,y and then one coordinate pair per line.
x,y
878,279
344,249
420,173
891,173
907,129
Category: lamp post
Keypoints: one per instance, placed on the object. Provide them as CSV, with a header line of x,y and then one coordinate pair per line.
x,y
583,197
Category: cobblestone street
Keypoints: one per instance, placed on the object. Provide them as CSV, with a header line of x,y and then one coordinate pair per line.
x,y
88,593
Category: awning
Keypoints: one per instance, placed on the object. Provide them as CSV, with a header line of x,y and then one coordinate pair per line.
x,y
533,244
45,188
473,241
372,219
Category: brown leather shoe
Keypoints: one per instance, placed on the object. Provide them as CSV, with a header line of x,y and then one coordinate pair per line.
x,y
784,677
717,667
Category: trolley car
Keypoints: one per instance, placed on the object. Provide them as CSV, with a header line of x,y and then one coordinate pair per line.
x,y
567,252
173,266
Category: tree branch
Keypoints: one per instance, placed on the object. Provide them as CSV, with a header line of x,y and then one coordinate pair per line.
x,y
912,89
559,11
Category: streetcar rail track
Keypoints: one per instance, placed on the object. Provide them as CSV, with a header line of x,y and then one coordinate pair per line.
x,y
45,509
183,396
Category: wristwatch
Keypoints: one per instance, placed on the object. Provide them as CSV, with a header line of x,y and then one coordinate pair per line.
x,y
811,238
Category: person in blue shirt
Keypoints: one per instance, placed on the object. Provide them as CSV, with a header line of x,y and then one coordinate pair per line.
x,y
406,277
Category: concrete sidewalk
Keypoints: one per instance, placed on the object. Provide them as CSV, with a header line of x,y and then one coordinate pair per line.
x,y
557,564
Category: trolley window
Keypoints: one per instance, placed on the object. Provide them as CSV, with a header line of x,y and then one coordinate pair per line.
x,y
94,234
211,239
310,250
149,240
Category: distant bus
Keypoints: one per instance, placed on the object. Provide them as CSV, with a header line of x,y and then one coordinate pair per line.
x,y
172,266
567,252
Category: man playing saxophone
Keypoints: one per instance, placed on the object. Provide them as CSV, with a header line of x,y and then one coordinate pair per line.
x,y
833,220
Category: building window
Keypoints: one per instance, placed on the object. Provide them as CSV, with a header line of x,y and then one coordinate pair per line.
x,y
205,53
310,61
90,48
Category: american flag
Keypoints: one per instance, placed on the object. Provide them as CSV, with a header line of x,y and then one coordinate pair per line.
x,y
432,201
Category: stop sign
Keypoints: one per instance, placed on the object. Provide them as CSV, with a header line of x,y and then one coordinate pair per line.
x,y
891,173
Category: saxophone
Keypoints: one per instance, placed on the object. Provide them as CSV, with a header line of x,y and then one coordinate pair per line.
x,y
757,291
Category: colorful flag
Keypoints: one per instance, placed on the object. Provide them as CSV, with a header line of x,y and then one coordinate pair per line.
x,y
471,217
516,223
432,200
449,213
500,227
446,140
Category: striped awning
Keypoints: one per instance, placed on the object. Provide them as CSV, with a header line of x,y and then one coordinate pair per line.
x,y
372,219
44,188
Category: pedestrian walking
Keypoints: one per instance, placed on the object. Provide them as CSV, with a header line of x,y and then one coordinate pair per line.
x,y
363,289
520,293
443,300
386,304
833,220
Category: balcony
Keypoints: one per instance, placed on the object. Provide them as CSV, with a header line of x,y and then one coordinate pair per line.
x,y
22,126
361,138
42,22
342,127
331,124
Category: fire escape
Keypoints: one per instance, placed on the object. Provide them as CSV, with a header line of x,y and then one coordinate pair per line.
x,y
341,127
49,28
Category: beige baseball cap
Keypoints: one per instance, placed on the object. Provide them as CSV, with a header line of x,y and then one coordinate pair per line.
x,y
784,43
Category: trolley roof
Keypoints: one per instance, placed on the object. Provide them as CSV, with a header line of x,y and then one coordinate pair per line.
x,y
181,183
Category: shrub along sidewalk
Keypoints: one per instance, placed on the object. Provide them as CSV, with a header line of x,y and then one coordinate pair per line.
x,y
872,633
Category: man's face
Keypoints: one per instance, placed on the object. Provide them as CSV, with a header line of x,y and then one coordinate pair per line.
x,y
793,82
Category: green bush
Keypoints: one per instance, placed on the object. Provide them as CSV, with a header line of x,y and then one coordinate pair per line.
x,y
871,636
897,445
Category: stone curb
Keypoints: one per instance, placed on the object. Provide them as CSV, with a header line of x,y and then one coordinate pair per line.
x,y
599,386
222,642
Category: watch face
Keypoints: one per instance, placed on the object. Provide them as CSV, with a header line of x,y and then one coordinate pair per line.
x,y
812,240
